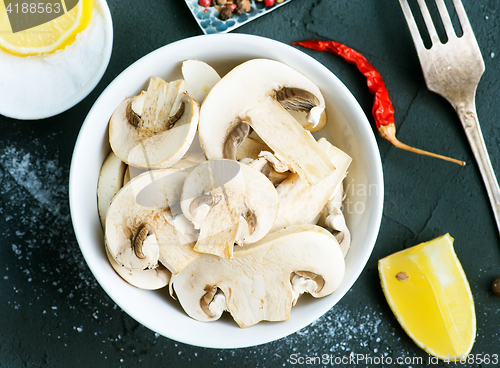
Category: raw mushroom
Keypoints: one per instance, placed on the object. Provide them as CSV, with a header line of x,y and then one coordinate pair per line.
x,y
300,203
138,233
148,279
132,172
193,157
155,128
257,94
200,78
229,203
260,283
265,167
332,217
250,148
110,182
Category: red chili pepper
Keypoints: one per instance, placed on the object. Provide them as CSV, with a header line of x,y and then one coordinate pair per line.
x,y
383,110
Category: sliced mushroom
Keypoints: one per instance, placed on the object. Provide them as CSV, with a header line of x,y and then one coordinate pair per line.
x,y
229,203
234,139
250,148
332,217
141,211
155,128
265,167
193,156
256,285
249,94
200,78
148,279
300,203
110,182
304,106
275,162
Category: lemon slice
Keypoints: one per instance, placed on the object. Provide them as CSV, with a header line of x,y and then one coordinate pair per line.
x,y
47,37
428,292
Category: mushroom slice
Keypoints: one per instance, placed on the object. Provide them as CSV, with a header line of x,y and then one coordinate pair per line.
x,y
148,279
110,182
300,203
229,203
138,233
193,156
256,285
200,78
156,128
265,167
332,217
251,94
250,148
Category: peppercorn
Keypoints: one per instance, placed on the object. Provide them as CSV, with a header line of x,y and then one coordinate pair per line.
x,y
242,6
225,13
495,286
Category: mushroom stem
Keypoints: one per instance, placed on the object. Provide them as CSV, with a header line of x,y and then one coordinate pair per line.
x,y
389,132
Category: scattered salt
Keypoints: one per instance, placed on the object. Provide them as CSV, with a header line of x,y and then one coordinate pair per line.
x,y
39,85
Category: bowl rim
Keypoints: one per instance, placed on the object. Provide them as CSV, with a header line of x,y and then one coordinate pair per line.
x,y
370,234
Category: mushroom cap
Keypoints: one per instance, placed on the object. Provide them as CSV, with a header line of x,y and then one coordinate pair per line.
x,y
148,279
257,284
110,182
146,202
258,92
234,194
156,128
200,78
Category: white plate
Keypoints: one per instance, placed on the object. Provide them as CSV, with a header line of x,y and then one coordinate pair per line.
x,y
347,127
61,80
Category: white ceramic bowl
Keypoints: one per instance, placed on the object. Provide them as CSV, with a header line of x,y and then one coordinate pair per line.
x,y
347,127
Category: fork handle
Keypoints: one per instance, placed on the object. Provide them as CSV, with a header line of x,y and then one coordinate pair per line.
x,y
470,122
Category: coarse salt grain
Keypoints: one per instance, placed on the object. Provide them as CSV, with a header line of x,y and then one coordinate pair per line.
x,y
39,85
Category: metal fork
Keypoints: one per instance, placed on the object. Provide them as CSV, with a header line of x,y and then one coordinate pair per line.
x,y
453,70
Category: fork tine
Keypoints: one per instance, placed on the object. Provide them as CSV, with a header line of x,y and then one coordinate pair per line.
x,y
462,17
412,26
428,21
445,18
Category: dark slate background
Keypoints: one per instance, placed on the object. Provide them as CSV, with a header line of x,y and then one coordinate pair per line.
x,y
52,311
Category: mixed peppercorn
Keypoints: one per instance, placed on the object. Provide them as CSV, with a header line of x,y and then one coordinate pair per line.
x,y
227,8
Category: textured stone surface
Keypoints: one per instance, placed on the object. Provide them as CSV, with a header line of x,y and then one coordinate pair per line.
x,y
52,311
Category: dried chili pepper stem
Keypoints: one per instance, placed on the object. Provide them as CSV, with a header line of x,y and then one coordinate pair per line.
x,y
383,110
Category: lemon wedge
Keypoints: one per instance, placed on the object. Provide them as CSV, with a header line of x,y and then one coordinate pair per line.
x,y
47,37
428,292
